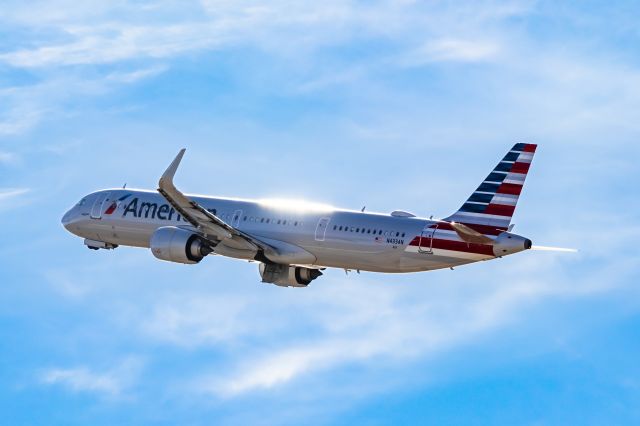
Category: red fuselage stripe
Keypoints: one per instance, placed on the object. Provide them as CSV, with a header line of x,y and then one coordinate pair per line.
x,y
483,229
453,245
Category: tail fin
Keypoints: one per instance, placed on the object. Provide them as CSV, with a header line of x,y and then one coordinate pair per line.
x,y
493,203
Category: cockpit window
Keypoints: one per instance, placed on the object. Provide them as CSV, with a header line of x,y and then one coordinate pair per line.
x,y
81,202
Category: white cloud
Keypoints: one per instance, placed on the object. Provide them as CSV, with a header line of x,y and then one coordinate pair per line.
x,y
193,322
452,50
278,26
136,75
7,157
390,323
112,43
393,330
24,107
6,194
415,33
112,383
82,379
19,110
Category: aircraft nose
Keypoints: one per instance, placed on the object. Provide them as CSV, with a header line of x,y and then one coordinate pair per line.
x,y
67,220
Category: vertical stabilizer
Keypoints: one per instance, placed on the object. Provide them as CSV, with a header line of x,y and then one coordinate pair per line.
x,y
493,203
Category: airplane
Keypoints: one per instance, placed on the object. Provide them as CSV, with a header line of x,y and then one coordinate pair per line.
x,y
294,241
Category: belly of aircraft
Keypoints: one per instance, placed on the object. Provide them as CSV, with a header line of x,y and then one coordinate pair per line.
x,y
389,261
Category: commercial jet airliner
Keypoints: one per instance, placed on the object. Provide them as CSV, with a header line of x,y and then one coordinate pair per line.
x,y
292,242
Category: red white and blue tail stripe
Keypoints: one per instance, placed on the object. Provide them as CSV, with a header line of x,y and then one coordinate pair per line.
x,y
493,203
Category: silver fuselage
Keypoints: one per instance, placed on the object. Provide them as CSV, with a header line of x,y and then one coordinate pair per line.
x,y
335,238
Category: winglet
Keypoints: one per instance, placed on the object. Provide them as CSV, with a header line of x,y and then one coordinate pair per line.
x,y
167,176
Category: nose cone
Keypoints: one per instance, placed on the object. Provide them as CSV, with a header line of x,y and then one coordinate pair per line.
x,y
508,243
68,222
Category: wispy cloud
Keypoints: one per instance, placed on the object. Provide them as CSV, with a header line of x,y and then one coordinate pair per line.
x,y
136,75
7,157
91,40
113,382
389,331
452,50
269,26
6,194
20,109
191,322
363,321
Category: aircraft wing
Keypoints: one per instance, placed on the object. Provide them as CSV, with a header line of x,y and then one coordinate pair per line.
x,y
204,221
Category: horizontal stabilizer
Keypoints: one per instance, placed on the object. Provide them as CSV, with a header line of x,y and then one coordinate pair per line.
x,y
469,235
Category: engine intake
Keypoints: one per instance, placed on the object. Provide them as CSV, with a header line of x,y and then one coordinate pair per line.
x,y
287,276
178,245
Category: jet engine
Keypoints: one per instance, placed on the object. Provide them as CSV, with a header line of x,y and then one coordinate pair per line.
x,y
178,245
287,275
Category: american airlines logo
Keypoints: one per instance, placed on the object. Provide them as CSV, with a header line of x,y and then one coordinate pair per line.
x,y
144,209
112,208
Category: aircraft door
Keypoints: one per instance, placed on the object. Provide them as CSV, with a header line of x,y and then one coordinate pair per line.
x,y
321,229
98,205
426,240
235,220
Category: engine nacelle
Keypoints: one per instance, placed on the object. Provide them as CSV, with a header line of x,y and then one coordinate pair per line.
x,y
178,245
287,276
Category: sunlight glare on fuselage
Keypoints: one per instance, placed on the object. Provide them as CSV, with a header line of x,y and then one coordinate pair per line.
x,y
301,206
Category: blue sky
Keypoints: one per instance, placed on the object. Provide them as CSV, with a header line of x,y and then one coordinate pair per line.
x,y
388,104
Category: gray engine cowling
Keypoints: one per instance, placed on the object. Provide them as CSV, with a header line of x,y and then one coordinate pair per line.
x,y
287,276
178,245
